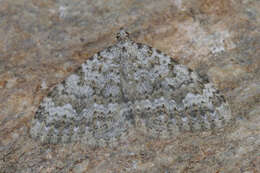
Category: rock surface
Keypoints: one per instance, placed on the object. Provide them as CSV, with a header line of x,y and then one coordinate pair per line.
x,y
42,42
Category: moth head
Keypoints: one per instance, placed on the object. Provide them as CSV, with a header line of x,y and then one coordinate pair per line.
x,y
122,35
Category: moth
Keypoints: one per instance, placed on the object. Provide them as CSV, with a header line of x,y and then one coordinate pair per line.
x,y
125,87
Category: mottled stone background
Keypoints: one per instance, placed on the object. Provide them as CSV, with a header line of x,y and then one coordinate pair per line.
x,y
42,42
